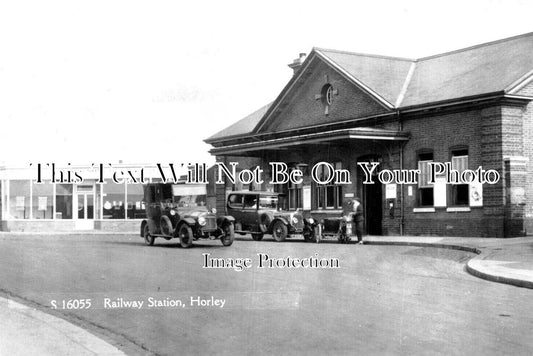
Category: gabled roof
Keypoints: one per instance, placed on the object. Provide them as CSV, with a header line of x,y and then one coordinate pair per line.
x,y
385,76
399,83
482,69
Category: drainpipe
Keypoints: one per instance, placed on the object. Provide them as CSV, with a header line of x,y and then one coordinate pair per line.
x,y
402,205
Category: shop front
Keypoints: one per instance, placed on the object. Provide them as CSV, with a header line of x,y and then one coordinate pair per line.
x,y
96,203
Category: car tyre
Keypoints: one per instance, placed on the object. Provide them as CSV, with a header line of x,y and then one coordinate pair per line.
x,y
257,236
166,225
279,231
149,239
185,235
308,234
229,234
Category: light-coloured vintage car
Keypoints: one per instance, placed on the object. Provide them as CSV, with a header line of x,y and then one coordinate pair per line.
x,y
258,213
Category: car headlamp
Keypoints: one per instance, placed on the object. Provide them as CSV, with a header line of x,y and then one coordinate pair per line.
x,y
172,212
202,221
214,210
311,221
294,220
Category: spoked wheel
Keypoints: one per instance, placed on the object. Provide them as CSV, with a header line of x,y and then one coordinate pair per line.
x,y
309,234
185,235
148,238
229,234
279,231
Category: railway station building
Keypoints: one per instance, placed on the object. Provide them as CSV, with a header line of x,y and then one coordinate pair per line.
x,y
471,107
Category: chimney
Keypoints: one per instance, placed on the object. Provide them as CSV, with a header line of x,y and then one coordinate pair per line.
x,y
297,63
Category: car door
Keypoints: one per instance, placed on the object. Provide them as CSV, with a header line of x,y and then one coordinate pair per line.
x,y
250,218
235,209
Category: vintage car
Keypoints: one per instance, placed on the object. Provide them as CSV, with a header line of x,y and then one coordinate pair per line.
x,y
258,213
341,227
180,211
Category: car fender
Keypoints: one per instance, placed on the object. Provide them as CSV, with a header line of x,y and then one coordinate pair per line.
x,y
188,220
225,219
276,219
267,218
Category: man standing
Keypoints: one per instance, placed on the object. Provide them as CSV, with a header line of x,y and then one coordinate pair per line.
x,y
358,219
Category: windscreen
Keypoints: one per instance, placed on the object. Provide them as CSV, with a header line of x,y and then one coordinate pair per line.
x,y
268,202
189,195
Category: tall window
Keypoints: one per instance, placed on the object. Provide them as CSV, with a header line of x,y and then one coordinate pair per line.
x,y
64,201
425,189
460,192
328,196
295,195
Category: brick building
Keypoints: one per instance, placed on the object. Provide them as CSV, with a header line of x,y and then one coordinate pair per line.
x,y
471,107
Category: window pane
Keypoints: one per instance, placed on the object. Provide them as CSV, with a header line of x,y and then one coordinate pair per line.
x,y
43,200
19,199
113,197
250,202
135,202
460,193
330,196
63,201
426,196
425,174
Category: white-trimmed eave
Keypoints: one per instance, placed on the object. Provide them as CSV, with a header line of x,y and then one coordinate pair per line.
x,y
519,84
355,81
356,133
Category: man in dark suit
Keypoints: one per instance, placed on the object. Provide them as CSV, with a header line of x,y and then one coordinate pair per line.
x,y
358,218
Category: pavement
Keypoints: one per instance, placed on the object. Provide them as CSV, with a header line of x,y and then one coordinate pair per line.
x,y
508,261
27,330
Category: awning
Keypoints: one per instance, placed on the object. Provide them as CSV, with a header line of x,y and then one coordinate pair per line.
x,y
360,133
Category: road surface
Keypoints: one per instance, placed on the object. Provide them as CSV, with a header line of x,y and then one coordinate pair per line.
x,y
381,299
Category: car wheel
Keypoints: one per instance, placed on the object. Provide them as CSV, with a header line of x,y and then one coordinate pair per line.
x,y
279,231
308,233
185,235
148,238
257,236
228,235
166,225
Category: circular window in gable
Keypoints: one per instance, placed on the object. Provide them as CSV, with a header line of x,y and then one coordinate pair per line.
x,y
327,94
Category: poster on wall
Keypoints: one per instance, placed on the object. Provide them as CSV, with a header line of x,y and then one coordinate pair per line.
x,y
476,194
306,192
390,191
19,202
42,203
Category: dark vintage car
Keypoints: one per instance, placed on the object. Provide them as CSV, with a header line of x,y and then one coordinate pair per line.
x,y
257,213
180,211
340,227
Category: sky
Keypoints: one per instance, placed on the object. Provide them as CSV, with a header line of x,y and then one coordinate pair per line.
x,y
147,81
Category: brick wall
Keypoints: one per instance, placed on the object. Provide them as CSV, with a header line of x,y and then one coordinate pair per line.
x,y
528,153
480,131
